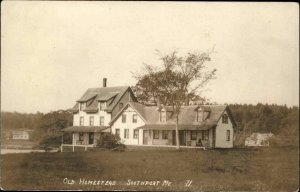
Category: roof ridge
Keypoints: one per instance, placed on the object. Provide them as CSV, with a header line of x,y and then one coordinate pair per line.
x,y
108,87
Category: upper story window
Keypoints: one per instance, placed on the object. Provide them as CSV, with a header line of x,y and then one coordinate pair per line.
x,y
121,105
225,118
124,118
102,106
81,106
81,122
134,118
163,116
101,120
91,120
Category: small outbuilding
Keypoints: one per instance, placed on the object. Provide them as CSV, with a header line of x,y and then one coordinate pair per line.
x,y
258,139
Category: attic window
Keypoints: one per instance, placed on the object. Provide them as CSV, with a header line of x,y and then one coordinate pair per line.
x,y
200,114
163,116
134,118
102,106
225,118
81,106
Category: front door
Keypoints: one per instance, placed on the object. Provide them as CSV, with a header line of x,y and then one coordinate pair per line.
x,y
145,137
91,138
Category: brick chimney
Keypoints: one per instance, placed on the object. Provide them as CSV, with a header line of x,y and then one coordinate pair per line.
x,y
104,82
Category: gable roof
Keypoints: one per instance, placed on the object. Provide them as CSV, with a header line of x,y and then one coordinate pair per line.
x,y
187,115
93,95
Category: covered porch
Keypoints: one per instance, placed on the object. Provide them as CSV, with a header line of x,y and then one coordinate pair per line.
x,y
190,136
83,136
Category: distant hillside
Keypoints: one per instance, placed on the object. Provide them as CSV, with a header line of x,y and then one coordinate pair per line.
x,y
15,120
266,118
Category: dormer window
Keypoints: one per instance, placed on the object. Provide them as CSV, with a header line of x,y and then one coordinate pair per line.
x,y
81,106
225,118
121,105
200,114
163,116
102,106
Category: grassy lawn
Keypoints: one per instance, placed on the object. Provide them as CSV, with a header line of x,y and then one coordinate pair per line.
x,y
268,169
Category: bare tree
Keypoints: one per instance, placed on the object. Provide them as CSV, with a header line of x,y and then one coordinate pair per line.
x,y
176,82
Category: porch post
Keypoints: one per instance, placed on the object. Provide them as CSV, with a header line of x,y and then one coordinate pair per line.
x,y
86,141
62,142
73,140
151,135
185,138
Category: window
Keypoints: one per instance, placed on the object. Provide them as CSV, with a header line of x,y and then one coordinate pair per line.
x,y
163,116
118,132
80,136
199,114
205,135
134,118
155,134
91,120
225,118
120,105
193,135
228,135
123,118
136,134
126,133
81,106
81,121
165,134
101,120
102,106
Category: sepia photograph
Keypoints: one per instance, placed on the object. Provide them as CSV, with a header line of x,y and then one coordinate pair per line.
x,y
149,96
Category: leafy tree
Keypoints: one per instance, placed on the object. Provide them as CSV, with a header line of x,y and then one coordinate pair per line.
x,y
177,81
50,124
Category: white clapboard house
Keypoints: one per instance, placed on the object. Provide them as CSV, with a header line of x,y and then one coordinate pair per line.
x,y
93,112
116,110
199,125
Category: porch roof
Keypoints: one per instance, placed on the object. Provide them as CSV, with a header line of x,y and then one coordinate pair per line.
x,y
173,127
85,129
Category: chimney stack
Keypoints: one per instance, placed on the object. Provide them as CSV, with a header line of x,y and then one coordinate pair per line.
x,y
104,82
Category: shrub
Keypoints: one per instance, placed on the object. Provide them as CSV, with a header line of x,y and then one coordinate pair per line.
x,y
110,141
53,141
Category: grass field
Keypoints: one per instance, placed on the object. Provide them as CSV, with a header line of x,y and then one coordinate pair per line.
x,y
268,169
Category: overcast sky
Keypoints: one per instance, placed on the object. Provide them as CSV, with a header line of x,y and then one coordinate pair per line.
x,y
53,51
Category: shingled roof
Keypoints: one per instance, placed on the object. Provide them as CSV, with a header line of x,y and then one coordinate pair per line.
x,y
93,95
187,116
